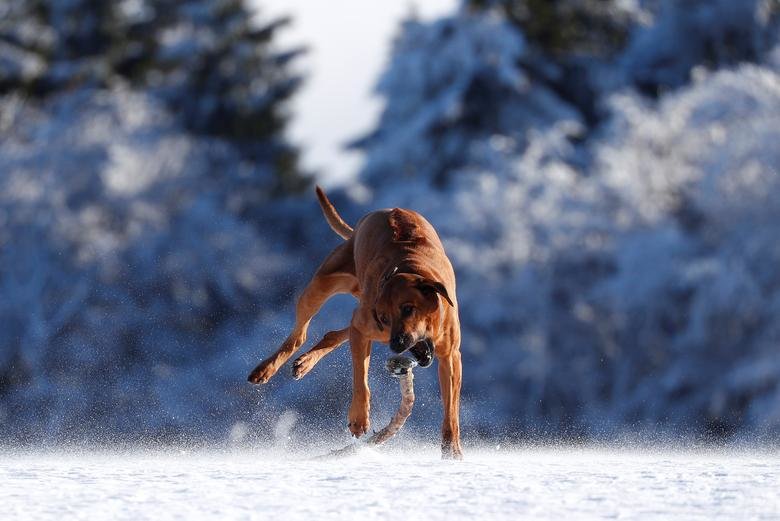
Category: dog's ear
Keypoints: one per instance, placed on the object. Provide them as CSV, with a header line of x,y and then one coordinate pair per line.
x,y
433,286
376,319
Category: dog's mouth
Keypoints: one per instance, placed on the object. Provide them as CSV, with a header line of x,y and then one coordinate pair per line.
x,y
422,355
422,351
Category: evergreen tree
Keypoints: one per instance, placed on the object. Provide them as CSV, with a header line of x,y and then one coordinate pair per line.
x,y
458,99
651,44
686,34
208,60
580,38
563,27
220,72
59,45
142,158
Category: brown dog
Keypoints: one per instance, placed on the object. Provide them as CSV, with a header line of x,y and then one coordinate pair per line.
x,y
395,265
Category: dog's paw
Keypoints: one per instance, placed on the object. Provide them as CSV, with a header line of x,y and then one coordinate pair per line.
x,y
302,365
262,373
358,420
451,451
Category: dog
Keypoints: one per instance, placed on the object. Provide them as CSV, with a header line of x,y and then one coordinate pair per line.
x,y
394,263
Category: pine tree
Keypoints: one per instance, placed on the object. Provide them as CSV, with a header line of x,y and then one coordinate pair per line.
x,y
654,43
458,98
562,27
214,67
687,34
141,156
220,72
577,39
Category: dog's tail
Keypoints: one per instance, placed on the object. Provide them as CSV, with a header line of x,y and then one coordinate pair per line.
x,y
332,216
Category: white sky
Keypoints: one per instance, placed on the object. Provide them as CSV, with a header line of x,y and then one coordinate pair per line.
x,y
349,42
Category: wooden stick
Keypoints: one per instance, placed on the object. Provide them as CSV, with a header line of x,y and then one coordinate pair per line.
x,y
406,383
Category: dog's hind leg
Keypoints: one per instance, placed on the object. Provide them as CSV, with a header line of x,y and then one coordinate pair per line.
x,y
306,362
335,275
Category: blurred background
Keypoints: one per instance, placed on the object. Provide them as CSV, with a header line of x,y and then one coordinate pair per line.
x,y
603,173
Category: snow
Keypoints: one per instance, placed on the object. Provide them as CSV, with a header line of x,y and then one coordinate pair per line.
x,y
490,484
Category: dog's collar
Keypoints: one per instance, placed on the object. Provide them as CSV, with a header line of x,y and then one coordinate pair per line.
x,y
386,278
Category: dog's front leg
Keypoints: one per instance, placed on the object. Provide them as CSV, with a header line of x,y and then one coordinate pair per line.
x,y
361,395
449,380
325,284
332,339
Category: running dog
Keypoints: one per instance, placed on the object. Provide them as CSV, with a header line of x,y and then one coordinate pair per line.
x,y
394,263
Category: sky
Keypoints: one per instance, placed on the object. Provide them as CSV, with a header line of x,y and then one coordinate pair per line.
x,y
349,42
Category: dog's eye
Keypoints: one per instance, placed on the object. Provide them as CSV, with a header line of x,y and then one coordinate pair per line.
x,y
406,310
384,319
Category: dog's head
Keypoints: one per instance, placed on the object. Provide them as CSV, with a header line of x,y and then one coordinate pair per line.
x,y
409,306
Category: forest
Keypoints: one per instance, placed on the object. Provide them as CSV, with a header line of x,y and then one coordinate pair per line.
x,y
604,176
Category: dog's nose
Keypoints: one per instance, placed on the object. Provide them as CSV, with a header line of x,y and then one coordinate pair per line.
x,y
401,342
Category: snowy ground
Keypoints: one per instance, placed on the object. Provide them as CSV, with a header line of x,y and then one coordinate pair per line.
x,y
519,484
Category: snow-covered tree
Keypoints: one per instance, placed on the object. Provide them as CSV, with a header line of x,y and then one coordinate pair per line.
x,y
211,62
456,96
218,69
135,230
120,264
693,295
562,27
684,34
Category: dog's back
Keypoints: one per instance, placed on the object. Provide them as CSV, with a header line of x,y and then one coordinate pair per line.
x,y
393,237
